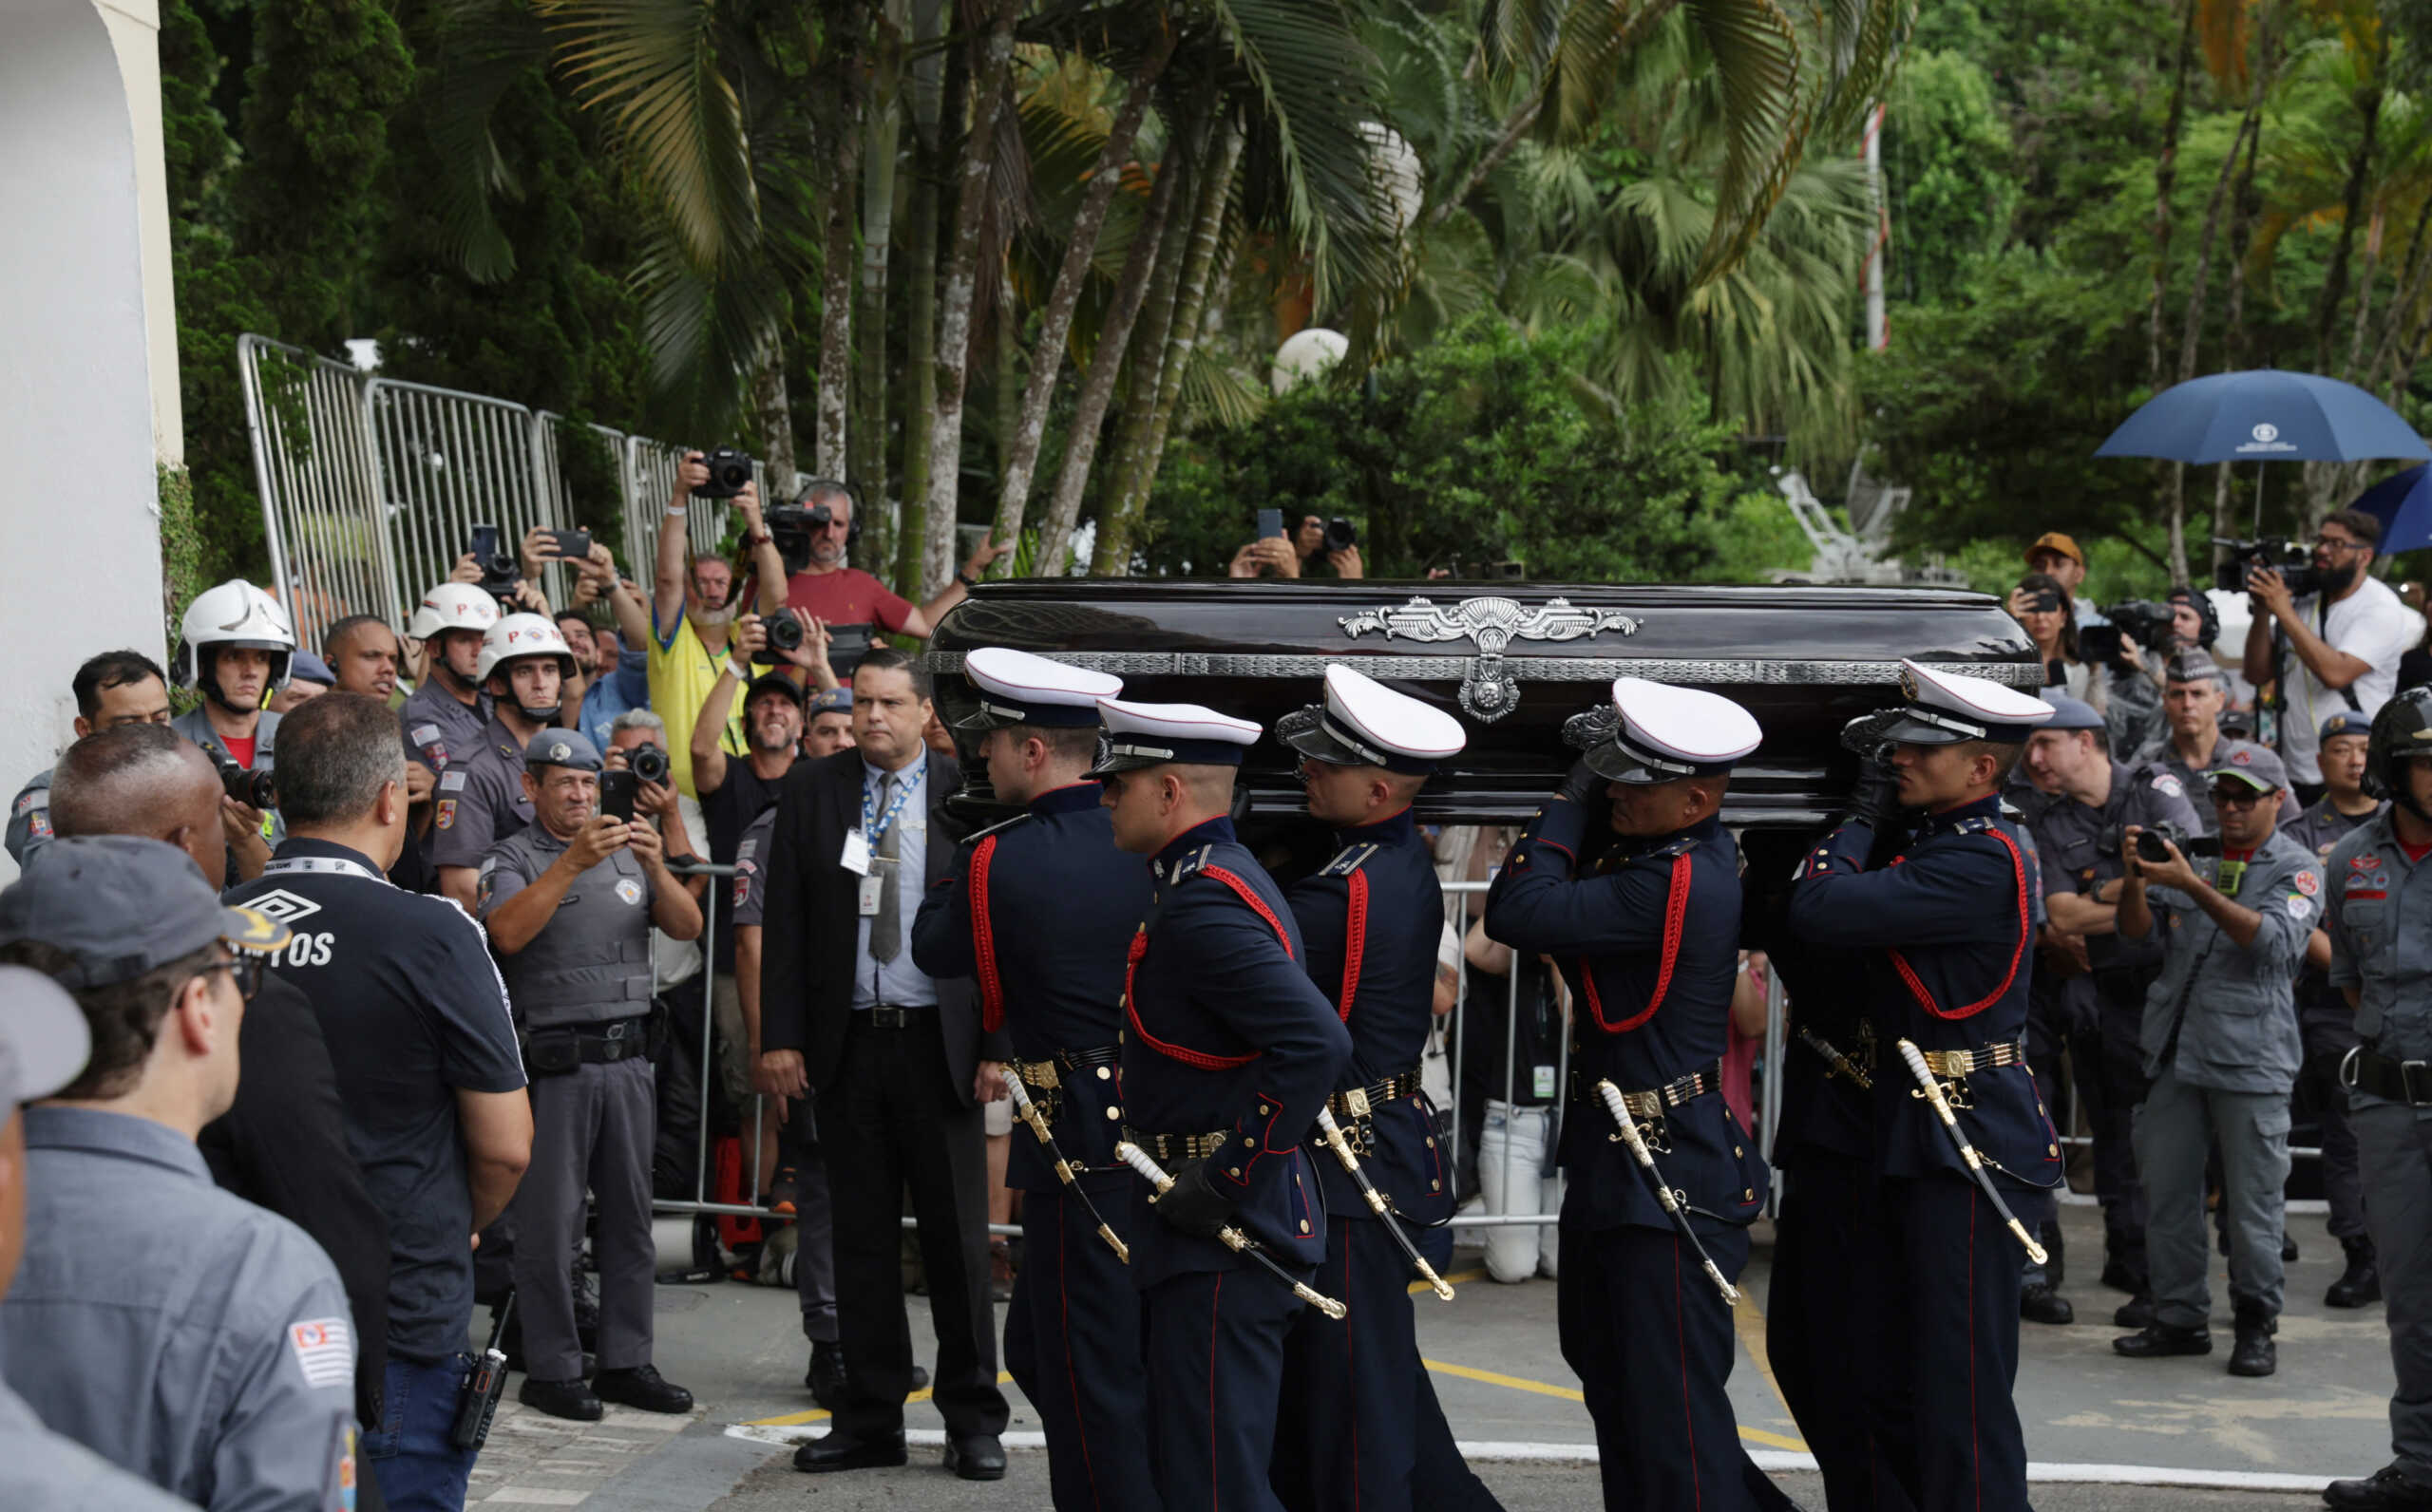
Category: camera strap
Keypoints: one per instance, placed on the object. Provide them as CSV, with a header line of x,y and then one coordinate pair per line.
x,y
2322,628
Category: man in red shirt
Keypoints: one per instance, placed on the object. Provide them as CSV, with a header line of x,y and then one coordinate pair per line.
x,y
848,599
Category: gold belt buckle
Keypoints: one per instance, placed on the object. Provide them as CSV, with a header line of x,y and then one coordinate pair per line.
x,y
1354,1102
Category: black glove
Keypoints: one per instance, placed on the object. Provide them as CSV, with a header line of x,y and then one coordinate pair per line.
x,y
1192,1204
1581,782
1876,797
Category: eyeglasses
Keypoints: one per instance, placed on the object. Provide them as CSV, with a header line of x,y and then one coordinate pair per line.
x,y
244,971
2337,543
2239,797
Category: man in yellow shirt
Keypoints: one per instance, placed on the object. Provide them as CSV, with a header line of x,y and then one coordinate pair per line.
x,y
692,613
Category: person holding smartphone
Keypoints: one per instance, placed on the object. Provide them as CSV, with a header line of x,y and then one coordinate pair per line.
x,y
569,901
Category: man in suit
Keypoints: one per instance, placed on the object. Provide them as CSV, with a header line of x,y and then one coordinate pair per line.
x,y
901,1063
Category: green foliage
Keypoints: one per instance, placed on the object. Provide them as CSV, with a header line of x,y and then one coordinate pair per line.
x,y
1947,175
181,575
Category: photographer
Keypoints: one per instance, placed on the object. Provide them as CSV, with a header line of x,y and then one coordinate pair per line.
x,y
2221,1044
619,678
692,606
2348,639
1290,555
2058,557
2042,608
233,647
816,532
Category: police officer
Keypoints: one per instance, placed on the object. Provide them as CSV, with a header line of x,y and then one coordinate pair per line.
x,y
227,1375
442,718
480,797
233,647
2323,1016
1371,919
1230,1053
113,688
1645,926
2193,694
569,901
1946,934
2380,922
1040,910
2076,830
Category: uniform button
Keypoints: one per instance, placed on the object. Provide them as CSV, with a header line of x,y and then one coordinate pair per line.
x,y
1436,1186
1113,1113
1246,1140
1105,1073
2051,1149
1305,1225
1738,1152
1431,1141
1233,1171
1747,1194
1262,1110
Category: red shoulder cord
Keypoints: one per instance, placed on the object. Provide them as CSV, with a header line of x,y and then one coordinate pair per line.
x,y
1675,912
984,940
1355,940
1925,999
1202,1059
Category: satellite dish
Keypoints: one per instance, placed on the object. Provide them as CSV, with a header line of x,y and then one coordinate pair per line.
x,y
1306,356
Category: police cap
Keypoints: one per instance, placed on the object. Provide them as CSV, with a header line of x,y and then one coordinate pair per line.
x,y
1148,734
1662,733
570,749
1016,687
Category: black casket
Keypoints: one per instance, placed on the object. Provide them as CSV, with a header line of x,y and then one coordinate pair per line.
x,y
1515,663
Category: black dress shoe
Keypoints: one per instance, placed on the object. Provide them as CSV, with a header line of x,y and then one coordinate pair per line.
x,y
2386,1489
919,1378
836,1452
825,1376
2361,1283
2288,1248
2041,1304
978,1457
2137,1313
2253,1353
2156,1340
2119,1278
642,1385
572,1400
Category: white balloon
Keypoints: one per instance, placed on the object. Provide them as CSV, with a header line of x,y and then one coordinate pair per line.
x,y
1306,356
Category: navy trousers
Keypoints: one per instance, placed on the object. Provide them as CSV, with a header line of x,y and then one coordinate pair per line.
x,y
1215,1356
1345,1438
1653,1345
1440,1480
1073,1344
1824,1316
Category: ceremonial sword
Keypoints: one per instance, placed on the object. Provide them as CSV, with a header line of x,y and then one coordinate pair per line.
x,y
1630,1136
1376,1204
1133,1156
1841,1062
1931,1092
1031,1115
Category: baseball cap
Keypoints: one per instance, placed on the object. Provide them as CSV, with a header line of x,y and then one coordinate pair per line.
x,y
2071,713
306,667
44,1039
836,700
2054,541
773,683
121,905
2258,767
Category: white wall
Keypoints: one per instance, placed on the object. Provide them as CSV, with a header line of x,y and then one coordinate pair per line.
x,y
87,356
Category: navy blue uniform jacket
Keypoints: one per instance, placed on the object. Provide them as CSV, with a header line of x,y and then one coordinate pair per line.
x,y
1946,929
1227,1031
1040,911
1372,918
1649,941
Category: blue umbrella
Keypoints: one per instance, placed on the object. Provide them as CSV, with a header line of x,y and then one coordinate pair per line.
x,y
2265,415
2403,505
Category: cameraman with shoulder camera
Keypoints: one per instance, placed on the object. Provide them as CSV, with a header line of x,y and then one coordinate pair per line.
x,y
812,535
694,606
2347,639
2221,1044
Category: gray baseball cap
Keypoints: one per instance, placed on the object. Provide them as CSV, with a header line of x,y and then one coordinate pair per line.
x,y
44,1039
120,906
2258,767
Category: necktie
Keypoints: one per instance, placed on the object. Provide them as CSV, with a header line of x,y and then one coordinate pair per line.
x,y
886,929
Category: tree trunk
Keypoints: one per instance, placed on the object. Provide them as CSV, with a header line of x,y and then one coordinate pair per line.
x,y
2334,285
2165,180
776,416
1492,158
2244,204
1020,445
931,103
1140,268
844,74
1182,339
866,448
992,78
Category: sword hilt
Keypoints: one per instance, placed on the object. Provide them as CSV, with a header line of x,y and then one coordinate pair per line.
x,y
1231,1237
1376,1200
1611,1097
1929,1089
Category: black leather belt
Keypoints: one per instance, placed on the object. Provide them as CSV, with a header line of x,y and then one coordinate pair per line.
x,y
2368,1070
556,1051
1049,1074
1167,1149
1360,1101
889,1016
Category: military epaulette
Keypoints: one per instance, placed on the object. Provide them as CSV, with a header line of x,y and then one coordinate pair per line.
x,y
976,836
1188,865
1348,860
1678,845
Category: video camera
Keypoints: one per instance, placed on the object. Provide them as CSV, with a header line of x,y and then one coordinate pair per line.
x,y
2290,558
730,472
502,575
2150,842
250,788
2139,620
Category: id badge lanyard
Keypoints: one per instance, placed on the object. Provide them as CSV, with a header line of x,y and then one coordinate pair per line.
x,y
860,846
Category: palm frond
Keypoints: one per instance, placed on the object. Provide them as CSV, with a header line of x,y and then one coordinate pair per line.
x,y
1756,62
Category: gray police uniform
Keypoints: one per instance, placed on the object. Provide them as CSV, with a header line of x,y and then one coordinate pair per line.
x,y
29,818
39,1468
223,1371
2198,782
480,799
2329,1026
2380,945
2220,1041
582,993
194,724
440,727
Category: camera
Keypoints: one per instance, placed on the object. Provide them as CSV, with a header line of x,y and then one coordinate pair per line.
x,y
252,789
2150,842
648,763
729,470
2139,620
2290,558
785,629
502,575
1340,536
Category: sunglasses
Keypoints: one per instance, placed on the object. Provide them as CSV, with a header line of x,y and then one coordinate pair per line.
x,y
2238,797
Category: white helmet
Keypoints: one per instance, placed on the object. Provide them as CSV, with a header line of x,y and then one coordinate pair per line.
x,y
235,615
453,606
520,636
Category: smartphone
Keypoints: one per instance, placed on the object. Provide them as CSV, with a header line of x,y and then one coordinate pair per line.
x,y
2046,602
1271,523
616,793
572,545
486,544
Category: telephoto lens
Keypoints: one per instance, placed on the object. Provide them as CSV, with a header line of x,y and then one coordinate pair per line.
x,y
252,789
1340,536
648,763
785,629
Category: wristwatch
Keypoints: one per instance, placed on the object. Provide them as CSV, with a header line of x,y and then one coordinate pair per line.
x,y
964,579
757,538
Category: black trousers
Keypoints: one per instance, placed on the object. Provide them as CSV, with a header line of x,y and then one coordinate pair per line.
x,y
1215,1343
1824,1329
1073,1344
2342,1183
892,1121
2111,1079
1347,1440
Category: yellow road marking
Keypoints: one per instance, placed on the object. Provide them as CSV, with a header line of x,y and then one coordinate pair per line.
x,y
1516,1383
1453,1279
795,1420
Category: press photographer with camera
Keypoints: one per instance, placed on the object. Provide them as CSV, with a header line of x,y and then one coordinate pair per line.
x,y
233,647
1289,555
2346,629
813,534
2043,609
693,603
2221,1045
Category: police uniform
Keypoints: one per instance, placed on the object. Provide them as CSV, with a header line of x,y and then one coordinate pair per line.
x,y
1372,919
1040,911
1946,932
582,991
441,728
227,1372
194,724
2379,916
1229,1052
1646,931
2101,1011
479,800
29,818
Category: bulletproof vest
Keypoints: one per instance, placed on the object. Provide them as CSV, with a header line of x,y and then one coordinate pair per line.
x,y
590,964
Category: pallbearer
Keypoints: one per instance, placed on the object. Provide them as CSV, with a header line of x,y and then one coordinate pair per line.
x,y
1040,911
1944,928
1372,919
1228,1052
1635,890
